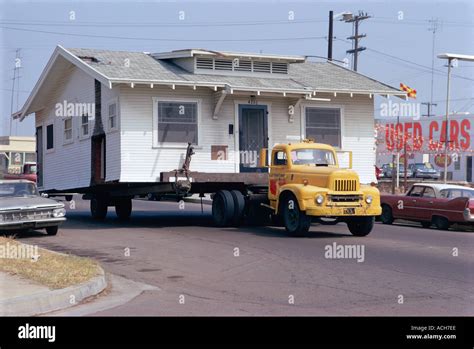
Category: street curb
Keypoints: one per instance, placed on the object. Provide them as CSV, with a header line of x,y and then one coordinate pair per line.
x,y
52,300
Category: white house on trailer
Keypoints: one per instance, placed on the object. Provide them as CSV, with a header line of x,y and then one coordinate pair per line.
x,y
126,117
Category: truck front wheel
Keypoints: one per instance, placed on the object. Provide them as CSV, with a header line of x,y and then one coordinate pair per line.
x,y
296,222
360,226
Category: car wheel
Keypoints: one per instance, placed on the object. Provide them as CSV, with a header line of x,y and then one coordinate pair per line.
x,y
441,223
52,230
296,222
425,224
386,217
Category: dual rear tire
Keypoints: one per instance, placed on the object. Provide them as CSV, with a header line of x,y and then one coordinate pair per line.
x,y
228,208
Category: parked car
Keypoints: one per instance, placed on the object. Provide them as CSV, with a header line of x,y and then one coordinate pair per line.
x,y
378,172
28,172
432,203
388,170
22,208
424,170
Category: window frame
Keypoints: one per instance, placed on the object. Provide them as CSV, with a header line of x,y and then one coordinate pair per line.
x,y
116,128
81,125
324,106
156,143
46,149
409,194
63,121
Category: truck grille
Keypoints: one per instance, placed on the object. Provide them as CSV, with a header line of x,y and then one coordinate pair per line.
x,y
345,185
345,198
28,215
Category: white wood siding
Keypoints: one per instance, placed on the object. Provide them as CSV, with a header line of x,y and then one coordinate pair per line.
x,y
69,165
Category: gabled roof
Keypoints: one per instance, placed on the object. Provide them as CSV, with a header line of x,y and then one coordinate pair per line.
x,y
116,67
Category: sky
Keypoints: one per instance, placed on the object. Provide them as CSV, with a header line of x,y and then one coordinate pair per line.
x,y
399,42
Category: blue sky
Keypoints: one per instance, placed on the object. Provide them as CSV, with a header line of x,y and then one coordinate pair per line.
x,y
399,50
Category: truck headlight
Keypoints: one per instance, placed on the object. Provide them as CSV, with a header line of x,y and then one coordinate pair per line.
x,y
368,199
319,199
59,212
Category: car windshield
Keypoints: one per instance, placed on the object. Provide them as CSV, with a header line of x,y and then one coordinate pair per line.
x,y
424,166
18,189
316,157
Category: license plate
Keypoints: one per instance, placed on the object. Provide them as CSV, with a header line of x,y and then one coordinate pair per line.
x,y
350,210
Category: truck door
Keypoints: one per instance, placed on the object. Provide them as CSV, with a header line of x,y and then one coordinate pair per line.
x,y
278,169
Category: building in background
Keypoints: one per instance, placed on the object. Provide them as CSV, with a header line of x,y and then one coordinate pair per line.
x,y
15,152
423,140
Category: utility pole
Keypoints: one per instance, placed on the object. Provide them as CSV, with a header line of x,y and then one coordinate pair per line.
x,y
433,28
16,75
428,106
355,20
330,35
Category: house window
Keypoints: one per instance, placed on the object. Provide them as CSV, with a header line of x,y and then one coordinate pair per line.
x,y
84,125
112,116
50,137
323,125
67,130
177,122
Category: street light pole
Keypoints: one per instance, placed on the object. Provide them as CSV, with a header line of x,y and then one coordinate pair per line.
x,y
446,139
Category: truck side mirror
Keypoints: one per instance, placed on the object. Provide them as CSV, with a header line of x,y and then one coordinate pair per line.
x,y
344,158
263,158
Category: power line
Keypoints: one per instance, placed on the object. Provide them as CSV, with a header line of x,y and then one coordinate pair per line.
x,y
167,39
162,24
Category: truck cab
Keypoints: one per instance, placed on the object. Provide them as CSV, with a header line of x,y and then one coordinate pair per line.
x,y
306,182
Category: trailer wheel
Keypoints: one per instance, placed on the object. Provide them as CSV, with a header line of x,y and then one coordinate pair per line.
x,y
297,223
360,226
239,207
222,208
123,209
98,208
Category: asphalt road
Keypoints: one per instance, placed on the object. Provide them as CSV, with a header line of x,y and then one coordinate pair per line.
x,y
406,270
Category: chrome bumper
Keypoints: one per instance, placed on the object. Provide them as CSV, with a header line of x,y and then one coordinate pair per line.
x,y
44,223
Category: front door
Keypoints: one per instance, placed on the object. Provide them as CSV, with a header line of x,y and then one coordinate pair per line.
x,y
253,136
469,169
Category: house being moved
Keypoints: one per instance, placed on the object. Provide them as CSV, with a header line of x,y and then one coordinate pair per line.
x,y
126,117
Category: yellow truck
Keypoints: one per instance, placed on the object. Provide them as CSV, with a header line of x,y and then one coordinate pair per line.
x,y
305,185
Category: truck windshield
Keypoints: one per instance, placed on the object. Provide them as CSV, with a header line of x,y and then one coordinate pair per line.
x,y
17,189
316,157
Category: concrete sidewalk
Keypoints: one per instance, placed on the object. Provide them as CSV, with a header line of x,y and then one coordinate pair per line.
x,y
22,297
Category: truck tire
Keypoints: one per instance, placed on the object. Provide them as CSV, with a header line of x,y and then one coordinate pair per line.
x,y
222,208
386,217
51,231
296,222
360,226
123,209
98,208
239,207
441,223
